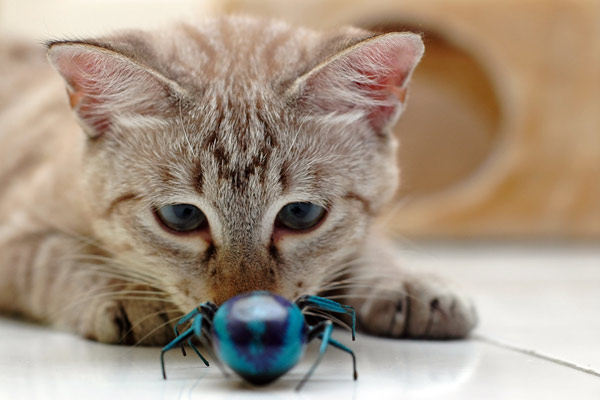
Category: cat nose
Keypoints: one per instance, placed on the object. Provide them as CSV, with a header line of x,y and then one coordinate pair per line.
x,y
226,289
239,274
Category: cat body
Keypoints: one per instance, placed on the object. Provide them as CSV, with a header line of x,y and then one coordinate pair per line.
x,y
235,119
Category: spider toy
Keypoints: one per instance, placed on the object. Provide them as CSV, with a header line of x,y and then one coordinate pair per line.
x,y
261,335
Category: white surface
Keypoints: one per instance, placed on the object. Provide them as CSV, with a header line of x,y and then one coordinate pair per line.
x,y
544,297
534,298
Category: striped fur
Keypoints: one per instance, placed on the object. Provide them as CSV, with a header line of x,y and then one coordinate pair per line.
x,y
235,115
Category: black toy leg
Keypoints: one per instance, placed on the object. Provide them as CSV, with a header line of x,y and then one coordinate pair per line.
x,y
178,341
323,331
321,303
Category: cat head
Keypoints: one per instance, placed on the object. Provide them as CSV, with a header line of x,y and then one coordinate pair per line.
x,y
237,154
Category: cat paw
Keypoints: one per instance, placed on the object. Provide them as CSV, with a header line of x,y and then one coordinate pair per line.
x,y
419,309
123,322
106,323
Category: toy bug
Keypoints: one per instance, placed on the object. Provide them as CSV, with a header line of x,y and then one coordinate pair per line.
x,y
261,335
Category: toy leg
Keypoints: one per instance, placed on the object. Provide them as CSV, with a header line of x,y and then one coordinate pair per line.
x,y
207,309
323,331
174,343
317,331
186,318
198,352
197,328
340,346
324,304
182,321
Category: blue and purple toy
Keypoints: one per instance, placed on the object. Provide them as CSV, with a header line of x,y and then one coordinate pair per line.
x,y
261,335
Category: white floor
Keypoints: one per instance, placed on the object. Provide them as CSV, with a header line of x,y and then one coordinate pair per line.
x,y
539,338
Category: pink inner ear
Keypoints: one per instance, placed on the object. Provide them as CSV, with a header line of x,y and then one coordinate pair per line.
x,y
103,84
87,105
85,92
372,77
381,88
390,67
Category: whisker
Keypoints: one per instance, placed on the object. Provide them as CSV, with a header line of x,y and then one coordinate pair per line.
x,y
122,284
170,321
89,241
356,275
69,232
367,297
153,299
358,296
128,292
359,283
354,286
345,267
147,317
123,277
320,313
390,212
110,263
113,295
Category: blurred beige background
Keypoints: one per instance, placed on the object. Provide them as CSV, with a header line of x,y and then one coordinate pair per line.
x,y
502,134
40,19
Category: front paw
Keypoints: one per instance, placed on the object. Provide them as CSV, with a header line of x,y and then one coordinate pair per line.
x,y
415,308
106,323
127,322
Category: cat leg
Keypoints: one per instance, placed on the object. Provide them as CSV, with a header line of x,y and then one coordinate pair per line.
x,y
393,303
56,279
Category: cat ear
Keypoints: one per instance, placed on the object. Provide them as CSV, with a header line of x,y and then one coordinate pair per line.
x,y
104,85
368,80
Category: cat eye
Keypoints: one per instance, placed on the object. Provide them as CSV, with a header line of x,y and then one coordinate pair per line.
x,y
182,217
300,216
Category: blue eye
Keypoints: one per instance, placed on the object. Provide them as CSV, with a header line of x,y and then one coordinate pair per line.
x,y
300,216
182,217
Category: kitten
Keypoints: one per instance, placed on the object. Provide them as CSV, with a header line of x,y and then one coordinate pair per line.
x,y
233,155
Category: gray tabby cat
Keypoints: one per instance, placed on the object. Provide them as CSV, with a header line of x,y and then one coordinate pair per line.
x,y
228,156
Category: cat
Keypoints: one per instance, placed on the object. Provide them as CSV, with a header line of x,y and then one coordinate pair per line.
x,y
202,161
